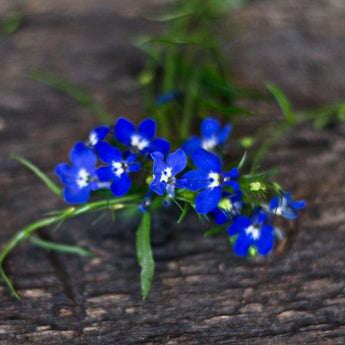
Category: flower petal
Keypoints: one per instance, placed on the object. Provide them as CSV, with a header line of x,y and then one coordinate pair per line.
x,y
158,163
107,153
121,185
206,161
238,225
177,161
75,195
233,184
242,244
196,180
207,200
81,155
98,134
224,133
265,242
105,174
148,128
209,128
191,145
232,174
159,145
123,131
158,187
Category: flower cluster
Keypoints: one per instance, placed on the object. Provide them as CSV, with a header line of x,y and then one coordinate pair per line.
x,y
214,192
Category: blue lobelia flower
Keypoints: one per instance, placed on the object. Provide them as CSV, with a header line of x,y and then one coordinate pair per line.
x,y
97,134
209,178
164,173
211,136
140,141
80,178
168,97
229,206
283,205
117,169
252,231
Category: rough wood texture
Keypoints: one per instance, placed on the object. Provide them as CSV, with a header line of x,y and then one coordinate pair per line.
x,y
202,293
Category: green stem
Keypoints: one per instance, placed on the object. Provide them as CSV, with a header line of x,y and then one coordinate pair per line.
x,y
61,216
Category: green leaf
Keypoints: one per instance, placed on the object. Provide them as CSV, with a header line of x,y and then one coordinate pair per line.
x,y
214,230
183,213
242,161
283,102
61,247
144,254
40,174
229,110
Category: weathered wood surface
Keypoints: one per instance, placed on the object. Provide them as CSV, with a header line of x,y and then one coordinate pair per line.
x,y
202,293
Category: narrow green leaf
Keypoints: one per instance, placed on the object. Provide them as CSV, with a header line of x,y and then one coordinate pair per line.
x,y
283,102
184,213
227,110
242,161
144,254
40,174
60,247
214,230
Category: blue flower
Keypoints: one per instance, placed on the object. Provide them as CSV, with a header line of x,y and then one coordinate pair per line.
x,y
164,173
252,231
140,141
117,169
168,97
97,134
229,206
211,136
79,178
283,205
209,178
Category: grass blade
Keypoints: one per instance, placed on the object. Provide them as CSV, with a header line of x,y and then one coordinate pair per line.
x,y
40,174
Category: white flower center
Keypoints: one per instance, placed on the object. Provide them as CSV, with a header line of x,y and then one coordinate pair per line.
x,y
253,231
139,142
281,206
82,178
214,179
166,175
118,168
93,138
209,144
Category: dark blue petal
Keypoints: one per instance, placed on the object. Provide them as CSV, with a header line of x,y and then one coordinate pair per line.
x,y
148,128
159,145
297,204
224,133
242,244
105,174
265,242
158,163
274,203
233,184
209,128
121,185
191,145
131,158
65,172
177,161
238,225
196,180
75,195
220,216
158,187
107,153
207,200
181,183
232,174
98,134
81,155
123,131
287,196
134,167
206,161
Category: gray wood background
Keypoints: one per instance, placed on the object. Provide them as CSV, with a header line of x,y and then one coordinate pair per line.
x,y
202,293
